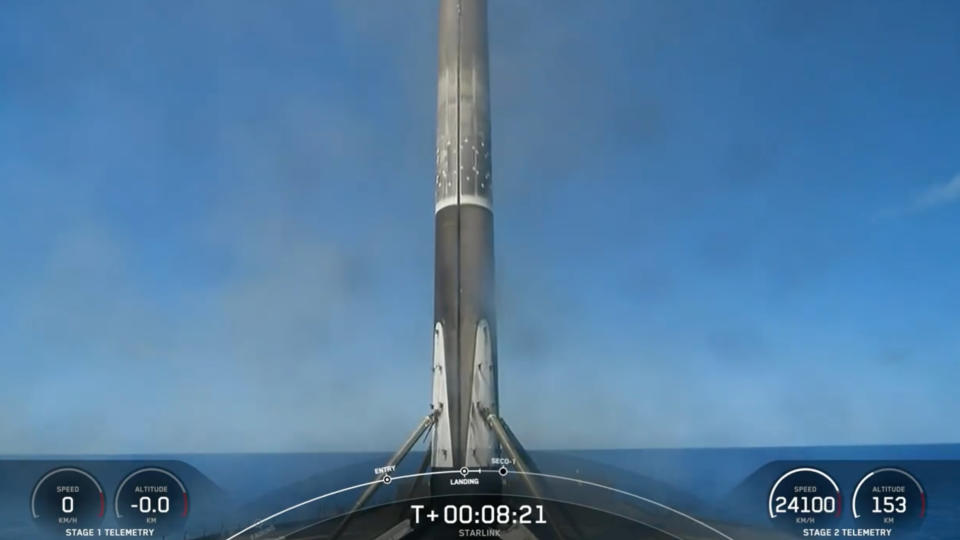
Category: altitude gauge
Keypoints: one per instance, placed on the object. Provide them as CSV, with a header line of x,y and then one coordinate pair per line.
x,y
67,498
152,498
804,498
889,498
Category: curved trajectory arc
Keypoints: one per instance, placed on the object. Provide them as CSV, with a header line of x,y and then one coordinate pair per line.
x,y
481,471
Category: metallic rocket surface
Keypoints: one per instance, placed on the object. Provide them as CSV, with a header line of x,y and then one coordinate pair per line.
x,y
465,345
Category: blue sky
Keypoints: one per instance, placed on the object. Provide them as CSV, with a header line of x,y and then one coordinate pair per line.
x,y
717,223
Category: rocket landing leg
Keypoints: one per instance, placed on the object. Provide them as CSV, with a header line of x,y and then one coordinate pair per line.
x,y
425,424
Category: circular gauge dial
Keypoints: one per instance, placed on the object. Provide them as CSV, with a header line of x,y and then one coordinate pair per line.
x,y
152,498
890,498
804,498
67,498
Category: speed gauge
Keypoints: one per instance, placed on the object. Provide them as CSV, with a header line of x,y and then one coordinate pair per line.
x,y
67,498
804,498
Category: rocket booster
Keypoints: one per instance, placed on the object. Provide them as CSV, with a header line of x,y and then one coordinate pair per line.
x,y
465,345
